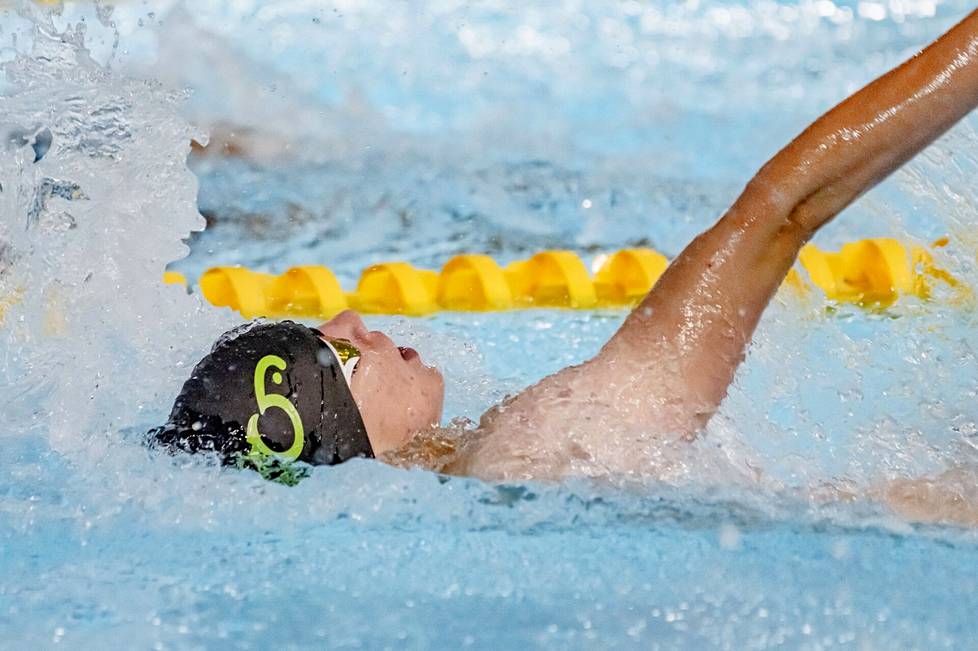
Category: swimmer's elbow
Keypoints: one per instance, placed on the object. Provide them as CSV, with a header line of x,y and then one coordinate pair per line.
x,y
765,205
778,205
767,194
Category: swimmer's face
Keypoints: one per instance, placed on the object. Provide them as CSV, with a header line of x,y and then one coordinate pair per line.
x,y
397,394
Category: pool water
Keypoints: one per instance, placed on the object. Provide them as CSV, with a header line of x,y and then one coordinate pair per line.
x,y
415,132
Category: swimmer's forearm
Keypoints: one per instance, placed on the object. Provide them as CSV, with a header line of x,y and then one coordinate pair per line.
x,y
862,140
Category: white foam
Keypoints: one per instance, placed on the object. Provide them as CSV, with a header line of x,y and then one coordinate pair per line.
x,y
94,342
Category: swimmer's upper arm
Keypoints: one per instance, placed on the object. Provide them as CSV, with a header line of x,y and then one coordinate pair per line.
x,y
692,329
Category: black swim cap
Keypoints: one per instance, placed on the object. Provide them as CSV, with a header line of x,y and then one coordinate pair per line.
x,y
274,388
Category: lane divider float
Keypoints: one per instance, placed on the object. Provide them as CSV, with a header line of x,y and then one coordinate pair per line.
x,y
871,272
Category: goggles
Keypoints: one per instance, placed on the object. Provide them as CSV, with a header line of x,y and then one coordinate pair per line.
x,y
346,353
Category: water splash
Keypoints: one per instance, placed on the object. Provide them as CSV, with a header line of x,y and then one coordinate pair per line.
x,y
96,199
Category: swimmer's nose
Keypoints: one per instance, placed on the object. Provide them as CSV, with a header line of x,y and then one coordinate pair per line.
x,y
347,324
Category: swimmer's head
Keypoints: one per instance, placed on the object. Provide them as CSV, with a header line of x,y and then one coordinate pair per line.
x,y
285,390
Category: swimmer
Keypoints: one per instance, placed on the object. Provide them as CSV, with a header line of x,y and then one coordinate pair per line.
x,y
339,391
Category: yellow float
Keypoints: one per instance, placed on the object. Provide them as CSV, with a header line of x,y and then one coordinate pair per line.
x,y
871,272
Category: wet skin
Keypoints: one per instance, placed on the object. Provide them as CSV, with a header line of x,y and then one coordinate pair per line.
x,y
662,376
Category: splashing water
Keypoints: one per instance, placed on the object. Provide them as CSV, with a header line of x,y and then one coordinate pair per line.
x,y
96,200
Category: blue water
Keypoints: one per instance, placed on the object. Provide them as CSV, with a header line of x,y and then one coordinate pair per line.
x,y
486,568
418,131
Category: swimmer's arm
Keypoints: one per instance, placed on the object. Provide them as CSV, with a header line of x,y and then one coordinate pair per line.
x,y
948,498
696,322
